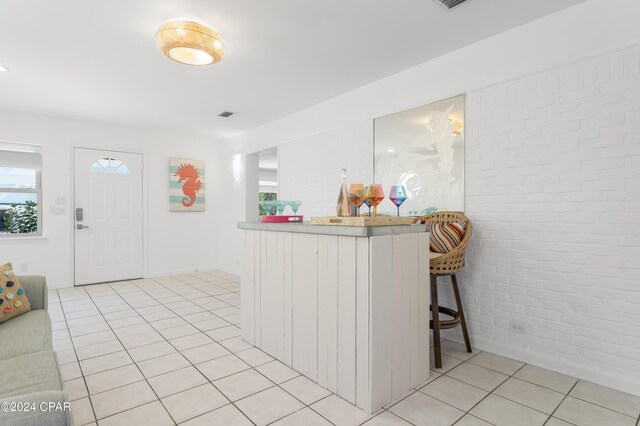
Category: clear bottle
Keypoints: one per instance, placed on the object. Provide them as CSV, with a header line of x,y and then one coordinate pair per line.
x,y
343,208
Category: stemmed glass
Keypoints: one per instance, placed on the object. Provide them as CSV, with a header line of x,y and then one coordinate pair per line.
x,y
280,206
267,205
397,195
356,195
295,205
368,205
375,194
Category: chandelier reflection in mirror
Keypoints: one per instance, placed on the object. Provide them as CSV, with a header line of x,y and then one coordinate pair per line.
x,y
423,150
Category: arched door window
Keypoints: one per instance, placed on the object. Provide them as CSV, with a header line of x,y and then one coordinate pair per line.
x,y
110,165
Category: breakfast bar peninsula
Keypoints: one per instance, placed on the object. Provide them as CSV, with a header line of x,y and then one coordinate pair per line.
x,y
346,306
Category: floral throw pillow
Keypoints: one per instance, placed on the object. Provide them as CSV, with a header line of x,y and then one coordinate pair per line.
x,y
13,299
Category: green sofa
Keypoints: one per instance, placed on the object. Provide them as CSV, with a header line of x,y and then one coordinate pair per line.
x,y
30,386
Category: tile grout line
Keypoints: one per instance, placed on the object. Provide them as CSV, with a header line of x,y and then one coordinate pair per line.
x,y
598,405
491,392
252,368
315,402
180,316
78,361
124,349
546,388
141,290
179,351
231,352
218,342
309,406
593,403
561,402
577,380
129,355
189,361
255,369
417,389
113,330
494,389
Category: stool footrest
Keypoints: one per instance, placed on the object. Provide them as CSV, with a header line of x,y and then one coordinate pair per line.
x,y
445,324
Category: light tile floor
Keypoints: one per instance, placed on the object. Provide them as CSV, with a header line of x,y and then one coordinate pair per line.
x,y
167,351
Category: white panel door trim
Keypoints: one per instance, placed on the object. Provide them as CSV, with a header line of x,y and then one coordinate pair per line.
x,y
142,253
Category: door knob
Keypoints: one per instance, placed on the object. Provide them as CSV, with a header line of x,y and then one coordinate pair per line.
x,y
81,226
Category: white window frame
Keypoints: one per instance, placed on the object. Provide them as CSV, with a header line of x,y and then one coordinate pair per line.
x,y
35,149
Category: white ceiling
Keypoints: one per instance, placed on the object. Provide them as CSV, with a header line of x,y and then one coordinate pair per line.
x,y
96,60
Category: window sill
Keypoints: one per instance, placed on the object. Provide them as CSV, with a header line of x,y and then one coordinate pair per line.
x,y
31,237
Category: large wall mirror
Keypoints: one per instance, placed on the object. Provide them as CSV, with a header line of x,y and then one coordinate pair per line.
x,y
422,149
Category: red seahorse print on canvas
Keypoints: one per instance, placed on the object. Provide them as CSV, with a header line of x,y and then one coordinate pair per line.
x,y
189,174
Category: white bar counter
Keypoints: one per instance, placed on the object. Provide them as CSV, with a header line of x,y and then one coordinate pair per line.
x,y
348,307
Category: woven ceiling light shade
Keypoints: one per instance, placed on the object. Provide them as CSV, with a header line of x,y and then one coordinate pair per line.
x,y
190,43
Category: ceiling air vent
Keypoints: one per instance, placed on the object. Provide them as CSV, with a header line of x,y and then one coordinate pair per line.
x,y
225,114
451,3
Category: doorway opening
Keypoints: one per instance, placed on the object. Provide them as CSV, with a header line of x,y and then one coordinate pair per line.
x,y
267,179
261,172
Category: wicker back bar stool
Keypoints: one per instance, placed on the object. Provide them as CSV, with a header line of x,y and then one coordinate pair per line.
x,y
447,264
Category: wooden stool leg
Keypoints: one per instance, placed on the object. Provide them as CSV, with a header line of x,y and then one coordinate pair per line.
x,y
463,323
435,315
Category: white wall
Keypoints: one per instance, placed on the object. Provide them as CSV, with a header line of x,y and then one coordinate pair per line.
x,y
174,242
553,189
571,281
579,32
268,175
562,38
311,168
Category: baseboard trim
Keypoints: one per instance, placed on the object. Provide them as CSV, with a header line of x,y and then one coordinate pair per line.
x,y
181,271
619,383
229,270
58,285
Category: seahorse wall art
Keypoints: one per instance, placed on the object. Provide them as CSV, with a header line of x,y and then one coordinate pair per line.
x,y
186,185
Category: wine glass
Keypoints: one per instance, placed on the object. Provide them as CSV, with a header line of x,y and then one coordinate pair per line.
x,y
295,205
368,205
356,195
397,195
280,206
375,194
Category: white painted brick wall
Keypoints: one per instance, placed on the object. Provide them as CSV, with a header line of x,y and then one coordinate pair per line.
x,y
553,190
310,168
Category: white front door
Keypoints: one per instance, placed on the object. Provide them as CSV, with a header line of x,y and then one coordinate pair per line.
x,y
108,216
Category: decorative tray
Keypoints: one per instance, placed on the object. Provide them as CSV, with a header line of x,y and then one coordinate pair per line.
x,y
362,220
281,219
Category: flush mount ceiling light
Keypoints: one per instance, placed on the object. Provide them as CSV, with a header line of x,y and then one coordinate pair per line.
x,y
190,43
3,69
